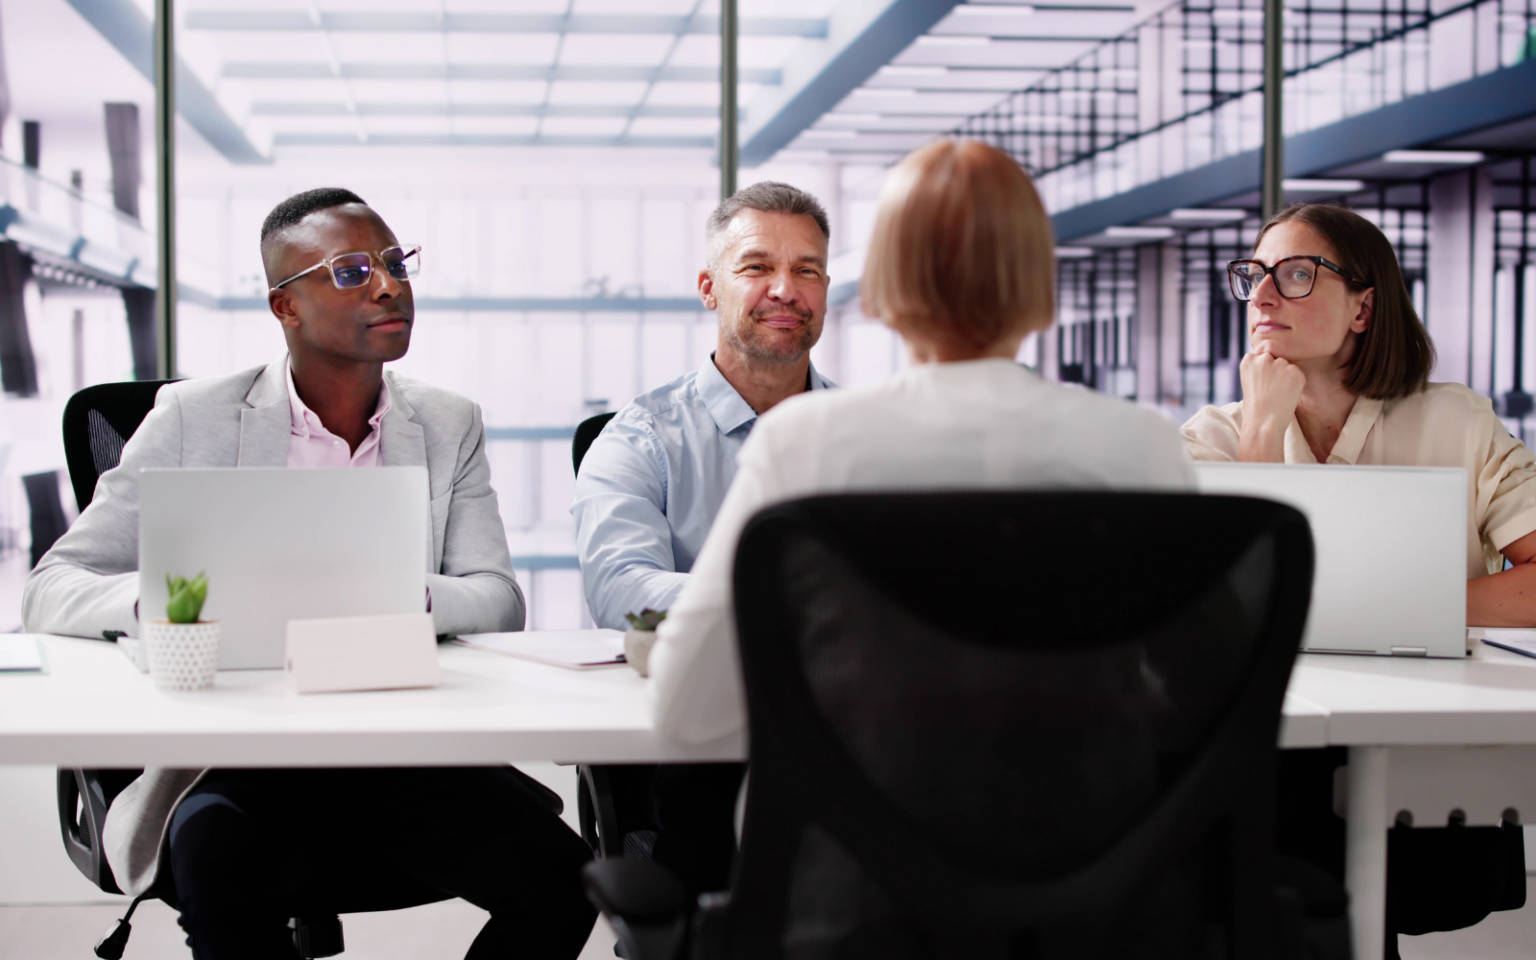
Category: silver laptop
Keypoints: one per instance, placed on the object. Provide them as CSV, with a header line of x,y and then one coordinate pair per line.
x,y
1391,542
280,545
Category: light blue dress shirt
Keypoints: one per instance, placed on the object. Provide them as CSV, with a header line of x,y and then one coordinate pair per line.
x,y
650,487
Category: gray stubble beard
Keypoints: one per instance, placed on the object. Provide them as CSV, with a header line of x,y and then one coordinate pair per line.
x,y
757,352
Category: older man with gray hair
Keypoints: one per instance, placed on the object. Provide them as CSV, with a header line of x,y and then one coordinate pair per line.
x,y
653,480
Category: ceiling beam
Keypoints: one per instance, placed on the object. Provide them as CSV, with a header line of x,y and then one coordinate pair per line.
x,y
317,70
862,36
130,31
334,108
277,21
485,140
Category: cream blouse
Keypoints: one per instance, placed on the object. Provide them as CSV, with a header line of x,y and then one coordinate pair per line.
x,y
978,424
1446,425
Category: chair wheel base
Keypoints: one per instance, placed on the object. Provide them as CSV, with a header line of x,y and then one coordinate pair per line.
x,y
317,938
111,946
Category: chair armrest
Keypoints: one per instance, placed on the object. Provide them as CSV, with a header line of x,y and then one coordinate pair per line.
x,y
644,902
706,939
639,890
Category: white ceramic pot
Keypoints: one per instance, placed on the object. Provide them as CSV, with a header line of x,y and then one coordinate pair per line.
x,y
182,656
637,649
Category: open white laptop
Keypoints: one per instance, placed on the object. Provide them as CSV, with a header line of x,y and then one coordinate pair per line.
x,y
1391,547
280,545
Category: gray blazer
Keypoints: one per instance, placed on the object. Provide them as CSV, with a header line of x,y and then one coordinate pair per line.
x,y
88,582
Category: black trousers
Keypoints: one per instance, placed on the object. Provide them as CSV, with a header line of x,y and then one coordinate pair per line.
x,y
1438,877
251,848
688,811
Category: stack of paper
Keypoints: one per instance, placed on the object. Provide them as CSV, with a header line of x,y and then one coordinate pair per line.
x,y
1514,639
574,649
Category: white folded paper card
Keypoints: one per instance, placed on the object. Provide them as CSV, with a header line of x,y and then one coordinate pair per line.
x,y
361,653
20,653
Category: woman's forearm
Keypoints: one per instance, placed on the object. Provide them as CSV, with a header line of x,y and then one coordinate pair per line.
x,y
1261,442
1505,599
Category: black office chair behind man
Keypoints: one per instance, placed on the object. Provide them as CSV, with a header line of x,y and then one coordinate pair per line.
x,y
98,421
613,802
1033,725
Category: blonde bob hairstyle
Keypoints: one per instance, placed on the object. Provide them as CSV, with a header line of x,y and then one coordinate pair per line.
x,y
962,250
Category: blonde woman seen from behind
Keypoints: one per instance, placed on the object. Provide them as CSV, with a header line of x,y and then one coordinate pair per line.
x,y
962,268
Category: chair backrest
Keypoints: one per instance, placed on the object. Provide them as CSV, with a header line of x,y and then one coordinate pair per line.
x,y
1034,725
587,431
97,424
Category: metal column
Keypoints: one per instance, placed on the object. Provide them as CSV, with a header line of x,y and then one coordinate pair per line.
x,y
730,151
165,190
1272,191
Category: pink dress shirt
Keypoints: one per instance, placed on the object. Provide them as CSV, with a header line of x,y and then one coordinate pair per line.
x,y
311,445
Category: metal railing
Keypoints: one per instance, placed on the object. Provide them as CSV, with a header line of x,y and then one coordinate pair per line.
x,y
1095,338
60,222
1184,88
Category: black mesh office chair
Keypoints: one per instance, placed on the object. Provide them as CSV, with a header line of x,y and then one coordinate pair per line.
x,y
587,431
613,801
97,424
1028,725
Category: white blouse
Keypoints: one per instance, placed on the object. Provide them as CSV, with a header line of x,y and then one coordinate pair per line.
x,y
1446,425
985,424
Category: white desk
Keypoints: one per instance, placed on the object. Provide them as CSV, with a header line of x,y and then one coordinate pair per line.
x,y
1425,736
94,709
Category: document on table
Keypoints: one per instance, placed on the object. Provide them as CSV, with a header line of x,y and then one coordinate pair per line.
x,y
20,653
1514,639
573,649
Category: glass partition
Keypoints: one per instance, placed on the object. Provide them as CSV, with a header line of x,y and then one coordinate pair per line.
x,y
77,254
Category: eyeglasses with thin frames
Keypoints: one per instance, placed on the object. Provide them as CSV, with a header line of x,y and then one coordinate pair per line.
x,y
1294,276
352,270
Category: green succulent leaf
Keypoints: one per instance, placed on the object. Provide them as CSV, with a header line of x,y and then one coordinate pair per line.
x,y
646,619
186,598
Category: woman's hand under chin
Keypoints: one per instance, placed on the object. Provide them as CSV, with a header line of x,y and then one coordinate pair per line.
x,y
1271,389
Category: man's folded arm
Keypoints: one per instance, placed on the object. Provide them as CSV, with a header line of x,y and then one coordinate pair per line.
x,y
88,582
696,687
623,539
476,591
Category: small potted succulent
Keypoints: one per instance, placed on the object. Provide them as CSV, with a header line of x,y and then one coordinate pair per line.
x,y
640,637
183,651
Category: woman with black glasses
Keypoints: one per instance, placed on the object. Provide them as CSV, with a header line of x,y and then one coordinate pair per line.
x,y
1339,373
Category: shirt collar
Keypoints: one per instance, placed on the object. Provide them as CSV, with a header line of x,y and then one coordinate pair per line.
x,y
1346,450
1352,438
725,405
306,423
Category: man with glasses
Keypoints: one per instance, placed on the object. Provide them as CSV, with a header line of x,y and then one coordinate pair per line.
x,y
244,850
651,484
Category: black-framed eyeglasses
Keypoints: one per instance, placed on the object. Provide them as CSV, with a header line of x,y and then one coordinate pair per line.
x,y
1294,276
352,270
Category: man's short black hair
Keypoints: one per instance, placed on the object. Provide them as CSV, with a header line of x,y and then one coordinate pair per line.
x,y
301,205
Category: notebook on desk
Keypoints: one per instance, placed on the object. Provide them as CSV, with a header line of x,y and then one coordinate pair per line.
x,y
572,649
1390,575
280,545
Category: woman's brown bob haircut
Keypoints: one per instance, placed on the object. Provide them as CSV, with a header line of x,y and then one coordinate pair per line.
x,y
1394,355
962,249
